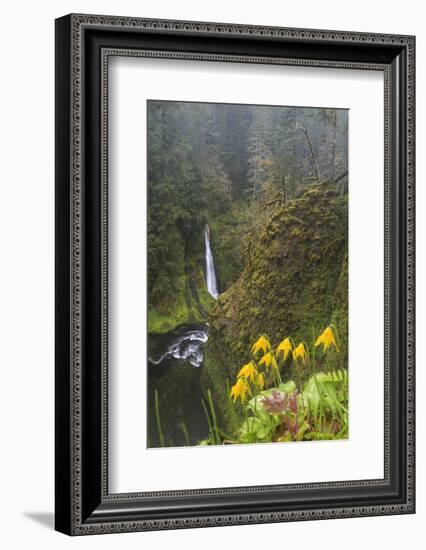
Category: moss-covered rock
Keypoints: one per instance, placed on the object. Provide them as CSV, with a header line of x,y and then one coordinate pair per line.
x,y
188,302
340,313
228,231
179,294
294,284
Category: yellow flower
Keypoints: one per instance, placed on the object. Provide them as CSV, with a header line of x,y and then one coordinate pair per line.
x,y
268,360
285,347
326,339
300,351
262,344
260,381
240,390
248,371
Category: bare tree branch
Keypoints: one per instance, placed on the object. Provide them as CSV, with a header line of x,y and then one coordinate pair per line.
x,y
341,176
314,158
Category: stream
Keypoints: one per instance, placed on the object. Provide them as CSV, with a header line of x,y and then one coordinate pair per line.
x,y
175,361
188,346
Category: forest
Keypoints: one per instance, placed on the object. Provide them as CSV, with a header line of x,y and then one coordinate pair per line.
x,y
247,273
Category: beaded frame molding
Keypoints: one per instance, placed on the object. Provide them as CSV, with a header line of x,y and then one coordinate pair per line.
x,y
84,44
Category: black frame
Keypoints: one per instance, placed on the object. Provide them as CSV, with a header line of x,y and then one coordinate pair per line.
x,y
83,46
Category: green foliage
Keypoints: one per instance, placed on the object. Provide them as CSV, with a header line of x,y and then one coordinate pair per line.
x,y
230,166
325,397
319,412
229,230
340,311
262,179
272,410
187,301
329,388
294,282
290,411
185,182
158,419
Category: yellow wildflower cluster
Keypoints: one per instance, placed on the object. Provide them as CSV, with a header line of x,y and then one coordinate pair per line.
x,y
250,373
287,346
240,390
247,373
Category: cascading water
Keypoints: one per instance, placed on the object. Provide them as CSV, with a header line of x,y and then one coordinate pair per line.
x,y
174,372
210,270
176,349
188,346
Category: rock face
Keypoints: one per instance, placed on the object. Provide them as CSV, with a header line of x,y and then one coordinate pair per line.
x,y
178,295
295,283
187,302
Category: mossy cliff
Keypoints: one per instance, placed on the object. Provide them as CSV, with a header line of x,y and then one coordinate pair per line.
x,y
340,313
294,283
178,295
228,240
188,302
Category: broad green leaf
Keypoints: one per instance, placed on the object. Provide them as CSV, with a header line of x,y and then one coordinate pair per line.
x,y
288,388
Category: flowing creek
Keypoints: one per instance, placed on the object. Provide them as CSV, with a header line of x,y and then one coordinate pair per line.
x,y
174,369
188,347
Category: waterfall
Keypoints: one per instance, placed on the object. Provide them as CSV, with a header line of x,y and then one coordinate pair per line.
x,y
210,270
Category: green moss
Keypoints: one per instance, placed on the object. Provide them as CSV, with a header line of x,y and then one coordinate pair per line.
x,y
187,302
228,231
178,294
340,313
293,284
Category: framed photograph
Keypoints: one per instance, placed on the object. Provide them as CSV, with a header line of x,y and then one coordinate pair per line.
x,y
234,274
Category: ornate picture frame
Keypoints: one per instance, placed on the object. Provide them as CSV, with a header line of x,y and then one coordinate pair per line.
x,y
84,45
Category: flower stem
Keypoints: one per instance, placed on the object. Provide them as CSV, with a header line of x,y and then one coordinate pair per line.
x,y
185,433
157,415
213,413
211,433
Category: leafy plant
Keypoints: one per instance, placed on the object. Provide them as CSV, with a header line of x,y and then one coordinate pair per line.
x,y
293,410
